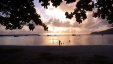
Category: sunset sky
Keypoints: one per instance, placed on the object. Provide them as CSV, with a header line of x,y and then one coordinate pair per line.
x,y
58,23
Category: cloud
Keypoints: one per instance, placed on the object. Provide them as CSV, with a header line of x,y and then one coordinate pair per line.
x,y
92,24
55,17
57,23
89,25
67,7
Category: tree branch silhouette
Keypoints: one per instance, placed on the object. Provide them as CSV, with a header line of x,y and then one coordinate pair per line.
x,y
14,14
104,9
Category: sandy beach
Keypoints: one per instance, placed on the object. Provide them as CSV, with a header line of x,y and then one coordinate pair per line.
x,y
94,54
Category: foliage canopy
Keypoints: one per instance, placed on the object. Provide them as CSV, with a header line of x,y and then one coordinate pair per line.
x,y
101,8
14,14
17,13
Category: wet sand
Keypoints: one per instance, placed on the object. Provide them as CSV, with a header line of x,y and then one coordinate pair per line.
x,y
90,54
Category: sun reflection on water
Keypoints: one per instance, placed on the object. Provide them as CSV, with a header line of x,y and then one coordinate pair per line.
x,y
54,40
57,40
75,40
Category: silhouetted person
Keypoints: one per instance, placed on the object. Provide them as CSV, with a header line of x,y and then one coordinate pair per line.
x,y
59,42
69,41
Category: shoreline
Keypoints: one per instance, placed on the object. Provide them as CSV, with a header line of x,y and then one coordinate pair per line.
x,y
86,49
53,54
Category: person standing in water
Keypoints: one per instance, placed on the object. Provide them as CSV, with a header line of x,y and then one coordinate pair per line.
x,y
69,41
59,42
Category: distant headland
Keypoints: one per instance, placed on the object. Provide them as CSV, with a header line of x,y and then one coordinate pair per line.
x,y
109,31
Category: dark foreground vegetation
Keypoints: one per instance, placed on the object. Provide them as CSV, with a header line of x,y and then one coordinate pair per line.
x,y
56,55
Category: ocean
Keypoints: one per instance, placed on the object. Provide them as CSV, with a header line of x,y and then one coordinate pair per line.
x,y
57,40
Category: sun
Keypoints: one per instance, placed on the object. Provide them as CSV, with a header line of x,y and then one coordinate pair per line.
x,y
56,13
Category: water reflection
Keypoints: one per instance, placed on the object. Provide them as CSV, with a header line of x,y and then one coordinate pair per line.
x,y
58,40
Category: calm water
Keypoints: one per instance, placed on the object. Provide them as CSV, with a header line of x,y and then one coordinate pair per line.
x,y
54,40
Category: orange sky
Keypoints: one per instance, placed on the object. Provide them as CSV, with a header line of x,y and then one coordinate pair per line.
x,y
58,23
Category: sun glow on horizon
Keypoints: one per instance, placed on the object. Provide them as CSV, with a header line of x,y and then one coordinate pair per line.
x,y
56,29
53,30
57,22
56,13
